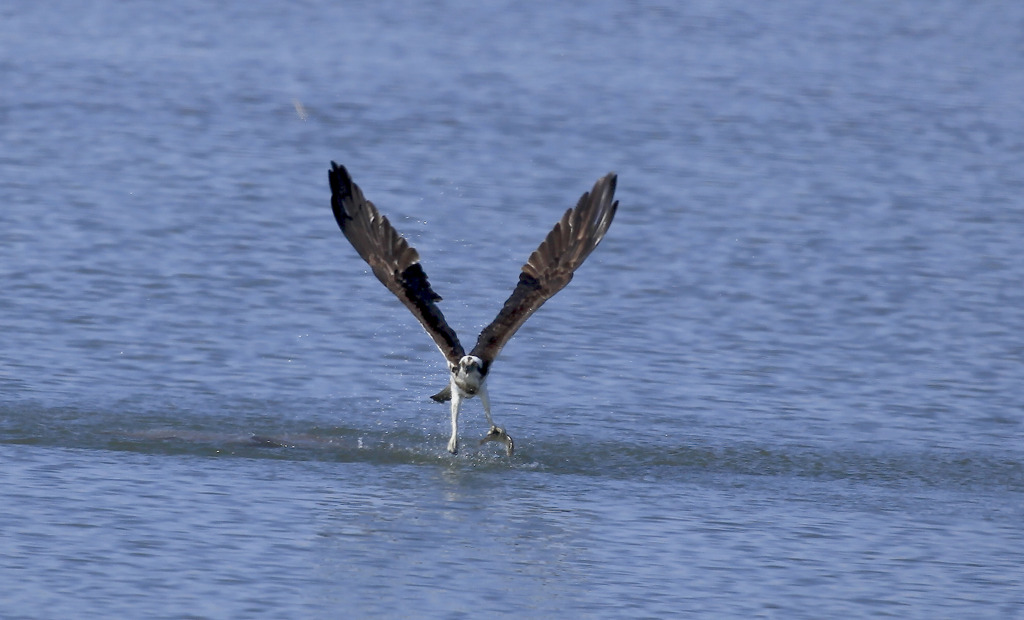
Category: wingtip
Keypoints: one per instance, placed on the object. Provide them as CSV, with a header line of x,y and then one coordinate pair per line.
x,y
342,189
612,180
338,174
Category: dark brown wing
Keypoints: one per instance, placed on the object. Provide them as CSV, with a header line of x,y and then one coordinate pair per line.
x,y
393,262
551,266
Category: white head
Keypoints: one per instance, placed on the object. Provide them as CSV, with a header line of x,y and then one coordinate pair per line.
x,y
469,374
470,362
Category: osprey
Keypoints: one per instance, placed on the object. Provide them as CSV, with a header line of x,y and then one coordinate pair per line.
x,y
397,266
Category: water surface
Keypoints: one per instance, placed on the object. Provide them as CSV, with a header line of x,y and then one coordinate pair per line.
x,y
787,384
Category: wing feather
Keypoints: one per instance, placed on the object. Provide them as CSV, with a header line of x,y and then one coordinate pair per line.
x,y
392,260
551,266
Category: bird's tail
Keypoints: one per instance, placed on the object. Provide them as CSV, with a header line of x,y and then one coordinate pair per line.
x,y
444,395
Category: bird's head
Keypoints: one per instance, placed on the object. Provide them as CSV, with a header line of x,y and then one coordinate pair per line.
x,y
469,373
470,364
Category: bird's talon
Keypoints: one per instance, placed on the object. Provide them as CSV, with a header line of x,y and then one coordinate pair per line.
x,y
499,434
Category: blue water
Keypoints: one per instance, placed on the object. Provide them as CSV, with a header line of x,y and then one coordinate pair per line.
x,y
787,384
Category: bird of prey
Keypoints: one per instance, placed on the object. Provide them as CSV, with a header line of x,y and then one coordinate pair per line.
x,y
397,266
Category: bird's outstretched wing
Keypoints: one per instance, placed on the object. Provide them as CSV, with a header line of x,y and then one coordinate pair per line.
x,y
551,265
393,261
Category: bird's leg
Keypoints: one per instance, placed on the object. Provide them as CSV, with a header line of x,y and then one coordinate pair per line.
x,y
453,443
486,402
495,434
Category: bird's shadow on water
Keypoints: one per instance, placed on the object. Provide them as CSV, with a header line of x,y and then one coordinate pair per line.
x,y
614,460
692,459
332,444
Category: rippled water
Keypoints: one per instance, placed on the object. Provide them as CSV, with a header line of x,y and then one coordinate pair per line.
x,y
787,384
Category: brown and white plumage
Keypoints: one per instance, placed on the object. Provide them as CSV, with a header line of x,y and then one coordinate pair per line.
x,y
393,261
551,265
549,269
